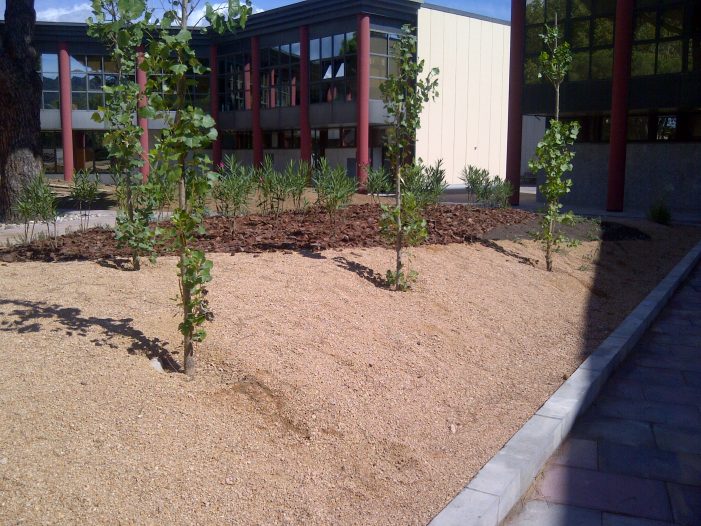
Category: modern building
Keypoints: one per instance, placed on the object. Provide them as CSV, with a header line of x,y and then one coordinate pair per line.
x,y
301,82
634,85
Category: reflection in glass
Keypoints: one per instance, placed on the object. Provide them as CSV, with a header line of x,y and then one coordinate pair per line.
x,y
643,60
669,57
602,63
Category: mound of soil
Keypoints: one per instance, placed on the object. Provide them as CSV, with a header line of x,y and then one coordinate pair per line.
x,y
313,230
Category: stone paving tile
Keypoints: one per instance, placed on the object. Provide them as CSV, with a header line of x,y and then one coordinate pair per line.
x,y
693,379
686,504
651,463
646,411
650,375
677,439
624,389
689,340
541,513
577,453
610,519
685,363
605,492
679,395
683,352
628,432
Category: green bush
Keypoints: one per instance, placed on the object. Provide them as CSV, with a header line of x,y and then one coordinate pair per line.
x,y
233,188
36,203
272,188
379,181
84,190
425,183
334,188
485,190
295,180
660,213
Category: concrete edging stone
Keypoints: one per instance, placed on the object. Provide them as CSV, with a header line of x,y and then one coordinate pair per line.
x,y
490,496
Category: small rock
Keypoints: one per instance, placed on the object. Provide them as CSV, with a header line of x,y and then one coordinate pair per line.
x,y
3,461
230,481
156,364
453,429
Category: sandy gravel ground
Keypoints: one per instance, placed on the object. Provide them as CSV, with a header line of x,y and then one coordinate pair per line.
x,y
320,398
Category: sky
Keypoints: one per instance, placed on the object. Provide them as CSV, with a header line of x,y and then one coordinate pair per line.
x,y
79,10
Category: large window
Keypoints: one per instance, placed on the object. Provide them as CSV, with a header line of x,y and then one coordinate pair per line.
x,y
52,152
48,69
333,68
382,61
88,74
663,37
279,76
659,126
235,82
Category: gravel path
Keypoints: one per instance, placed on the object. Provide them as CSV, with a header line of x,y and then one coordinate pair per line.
x,y
320,398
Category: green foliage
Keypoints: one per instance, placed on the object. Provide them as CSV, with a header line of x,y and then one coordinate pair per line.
x,y
178,151
405,94
84,190
425,183
379,182
554,153
233,188
484,189
414,231
37,203
296,176
660,213
334,188
272,188
133,230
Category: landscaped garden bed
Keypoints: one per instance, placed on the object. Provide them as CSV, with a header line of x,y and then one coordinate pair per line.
x,y
321,397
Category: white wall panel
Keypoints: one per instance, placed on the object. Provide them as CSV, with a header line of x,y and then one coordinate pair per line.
x,y
467,124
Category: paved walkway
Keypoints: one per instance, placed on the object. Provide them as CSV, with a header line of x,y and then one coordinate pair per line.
x,y
634,458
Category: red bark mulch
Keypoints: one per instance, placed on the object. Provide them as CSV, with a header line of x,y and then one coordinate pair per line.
x,y
356,226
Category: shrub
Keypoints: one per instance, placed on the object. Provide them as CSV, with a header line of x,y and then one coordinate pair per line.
x,y
295,180
379,182
334,188
485,190
660,213
425,183
234,187
36,202
84,190
271,188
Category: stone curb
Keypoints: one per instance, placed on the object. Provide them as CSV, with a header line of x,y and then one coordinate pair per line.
x,y
495,490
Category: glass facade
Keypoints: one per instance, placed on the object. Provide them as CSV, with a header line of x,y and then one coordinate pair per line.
x,y
382,61
235,82
88,74
279,76
48,69
333,63
666,36
652,126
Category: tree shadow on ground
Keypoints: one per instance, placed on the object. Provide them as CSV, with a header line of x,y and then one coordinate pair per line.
x,y
361,270
117,263
488,243
28,317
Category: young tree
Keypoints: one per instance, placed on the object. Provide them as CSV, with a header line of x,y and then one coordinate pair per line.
x,y
122,25
554,152
178,151
405,94
20,101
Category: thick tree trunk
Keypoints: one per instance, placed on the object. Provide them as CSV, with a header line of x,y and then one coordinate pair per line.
x,y
20,101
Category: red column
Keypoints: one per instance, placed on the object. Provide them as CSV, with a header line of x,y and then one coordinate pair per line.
x,y
64,75
214,101
305,129
619,105
363,133
255,88
513,146
143,121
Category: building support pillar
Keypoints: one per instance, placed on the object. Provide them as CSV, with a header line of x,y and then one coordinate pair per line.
x,y
363,132
64,75
214,101
255,88
143,121
619,105
515,132
305,129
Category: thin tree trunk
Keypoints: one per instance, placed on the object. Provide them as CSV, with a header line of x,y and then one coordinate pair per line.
x,y
20,100
400,237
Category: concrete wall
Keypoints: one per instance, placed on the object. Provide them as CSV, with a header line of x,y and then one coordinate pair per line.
x,y
667,171
467,124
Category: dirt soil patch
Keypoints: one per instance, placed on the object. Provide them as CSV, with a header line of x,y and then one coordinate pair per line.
x,y
320,397
356,226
